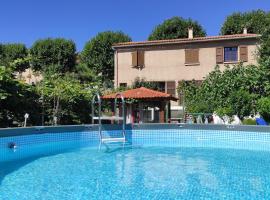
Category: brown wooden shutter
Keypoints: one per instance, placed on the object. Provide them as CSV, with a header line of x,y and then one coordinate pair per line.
x,y
171,88
134,56
243,53
219,55
191,56
141,58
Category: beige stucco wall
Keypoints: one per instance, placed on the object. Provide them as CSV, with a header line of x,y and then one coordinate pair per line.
x,y
167,63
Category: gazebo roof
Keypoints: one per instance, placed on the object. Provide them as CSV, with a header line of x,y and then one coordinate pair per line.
x,y
142,93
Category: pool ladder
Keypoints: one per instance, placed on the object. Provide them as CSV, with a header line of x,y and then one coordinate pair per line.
x,y
97,100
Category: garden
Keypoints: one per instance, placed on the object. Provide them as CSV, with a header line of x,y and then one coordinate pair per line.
x,y
70,78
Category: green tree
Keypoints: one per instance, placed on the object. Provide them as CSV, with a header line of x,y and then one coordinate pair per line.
x,y
65,99
176,27
264,107
16,99
264,49
235,90
255,21
141,82
15,55
98,54
58,53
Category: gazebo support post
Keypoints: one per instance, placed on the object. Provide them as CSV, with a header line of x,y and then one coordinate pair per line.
x,y
162,112
141,112
167,111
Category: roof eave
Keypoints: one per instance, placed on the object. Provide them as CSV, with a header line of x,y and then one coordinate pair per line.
x,y
181,42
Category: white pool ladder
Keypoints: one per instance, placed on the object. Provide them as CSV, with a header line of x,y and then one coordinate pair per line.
x,y
97,100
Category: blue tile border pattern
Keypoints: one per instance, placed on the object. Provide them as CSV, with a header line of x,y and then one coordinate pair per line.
x,y
170,135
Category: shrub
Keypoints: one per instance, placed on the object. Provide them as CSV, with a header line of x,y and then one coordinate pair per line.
x,y
249,122
225,111
263,107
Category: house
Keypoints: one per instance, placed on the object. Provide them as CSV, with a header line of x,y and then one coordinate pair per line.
x,y
166,62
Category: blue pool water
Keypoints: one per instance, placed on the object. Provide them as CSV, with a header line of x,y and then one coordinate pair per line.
x,y
75,172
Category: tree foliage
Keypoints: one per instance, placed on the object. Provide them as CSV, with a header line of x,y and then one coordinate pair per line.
x,y
16,99
65,99
255,21
98,54
141,82
264,49
15,55
58,53
176,27
264,107
235,90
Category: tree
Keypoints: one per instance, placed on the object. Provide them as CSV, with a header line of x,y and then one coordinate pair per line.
x,y
98,53
235,90
15,55
255,21
264,49
176,27
264,107
65,99
141,82
16,99
58,53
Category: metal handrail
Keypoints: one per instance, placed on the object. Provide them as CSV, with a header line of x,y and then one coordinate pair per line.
x,y
123,111
97,96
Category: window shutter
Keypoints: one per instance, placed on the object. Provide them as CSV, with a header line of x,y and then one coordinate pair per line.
x,y
191,56
171,88
219,55
134,56
244,53
141,58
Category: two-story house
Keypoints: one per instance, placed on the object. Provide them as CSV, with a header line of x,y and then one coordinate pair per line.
x,y
169,61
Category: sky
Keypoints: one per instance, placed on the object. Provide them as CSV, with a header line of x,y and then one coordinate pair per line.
x,y
25,21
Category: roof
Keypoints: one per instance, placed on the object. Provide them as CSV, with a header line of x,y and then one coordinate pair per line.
x,y
142,93
186,40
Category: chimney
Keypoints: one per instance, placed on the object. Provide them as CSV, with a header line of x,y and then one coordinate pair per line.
x,y
245,31
190,33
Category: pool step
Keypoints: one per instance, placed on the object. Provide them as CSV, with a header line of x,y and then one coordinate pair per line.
x,y
111,140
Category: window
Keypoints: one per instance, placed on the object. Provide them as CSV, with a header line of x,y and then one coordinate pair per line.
x,y
230,54
137,58
123,85
192,56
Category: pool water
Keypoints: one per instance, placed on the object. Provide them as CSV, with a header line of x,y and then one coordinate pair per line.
x,y
138,173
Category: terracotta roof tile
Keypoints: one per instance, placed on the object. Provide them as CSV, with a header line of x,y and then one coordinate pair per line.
x,y
142,93
186,40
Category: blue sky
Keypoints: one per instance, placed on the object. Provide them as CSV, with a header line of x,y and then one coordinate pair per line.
x,y
28,20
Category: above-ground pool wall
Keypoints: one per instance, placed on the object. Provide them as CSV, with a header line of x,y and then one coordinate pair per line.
x,y
205,136
61,138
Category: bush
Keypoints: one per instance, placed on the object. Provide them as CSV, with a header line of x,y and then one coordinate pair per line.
x,y
224,111
232,91
263,107
249,122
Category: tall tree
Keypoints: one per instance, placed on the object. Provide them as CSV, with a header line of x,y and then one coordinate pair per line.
x,y
59,54
264,49
14,55
255,21
98,53
176,27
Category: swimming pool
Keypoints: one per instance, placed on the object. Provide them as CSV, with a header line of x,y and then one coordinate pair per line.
x,y
158,162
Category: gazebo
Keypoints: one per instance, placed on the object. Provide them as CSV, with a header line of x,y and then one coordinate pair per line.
x,y
145,105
